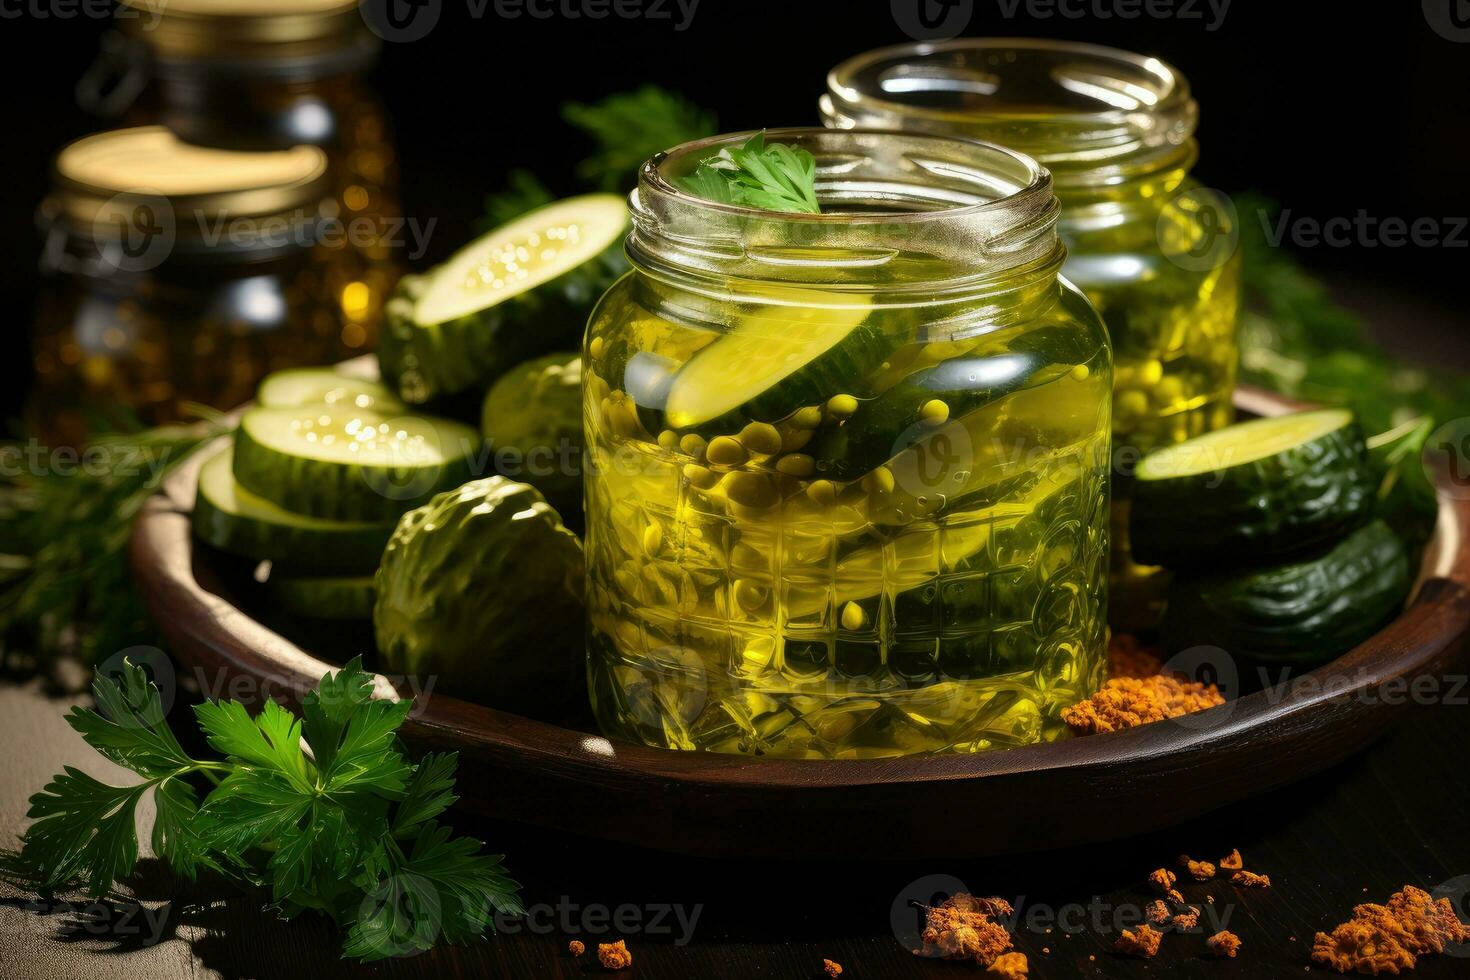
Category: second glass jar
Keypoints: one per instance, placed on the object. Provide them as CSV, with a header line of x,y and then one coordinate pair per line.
x,y
1152,250
848,472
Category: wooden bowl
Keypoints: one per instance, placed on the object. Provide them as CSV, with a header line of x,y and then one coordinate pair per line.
x,y
1036,797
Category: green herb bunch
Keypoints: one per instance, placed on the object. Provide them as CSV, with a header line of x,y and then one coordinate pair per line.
x,y
64,531
322,811
1296,340
773,177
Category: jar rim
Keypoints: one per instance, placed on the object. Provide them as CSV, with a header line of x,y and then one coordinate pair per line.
x,y
1092,105
1028,175
971,211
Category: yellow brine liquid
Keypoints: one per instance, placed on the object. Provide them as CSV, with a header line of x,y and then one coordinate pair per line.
x,y
912,560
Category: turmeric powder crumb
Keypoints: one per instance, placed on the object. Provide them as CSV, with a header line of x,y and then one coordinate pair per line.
x,y
959,928
1156,912
1127,702
1232,861
832,968
1144,942
1249,879
576,947
614,956
1185,921
1389,938
1174,896
1199,870
1010,966
1163,879
1128,658
1224,944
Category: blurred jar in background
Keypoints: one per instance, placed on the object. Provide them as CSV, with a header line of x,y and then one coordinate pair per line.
x,y
270,75
175,273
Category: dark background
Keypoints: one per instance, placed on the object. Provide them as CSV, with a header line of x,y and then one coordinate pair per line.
x,y
1328,108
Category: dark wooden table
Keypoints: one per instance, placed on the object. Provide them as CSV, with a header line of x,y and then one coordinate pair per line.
x,y
1395,815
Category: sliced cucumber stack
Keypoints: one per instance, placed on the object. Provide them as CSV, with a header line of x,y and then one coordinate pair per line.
x,y
516,293
1301,613
231,518
349,597
1263,488
351,465
771,362
297,387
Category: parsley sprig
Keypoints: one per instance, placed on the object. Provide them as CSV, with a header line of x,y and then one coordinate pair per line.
x,y
322,810
773,177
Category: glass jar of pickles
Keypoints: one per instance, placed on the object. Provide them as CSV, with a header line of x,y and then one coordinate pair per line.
x,y
1116,130
244,75
172,274
848,472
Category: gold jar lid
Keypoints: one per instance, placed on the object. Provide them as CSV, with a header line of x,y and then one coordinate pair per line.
x,y
242,29
105,178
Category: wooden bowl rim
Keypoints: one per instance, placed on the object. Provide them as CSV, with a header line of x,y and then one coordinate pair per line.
x,y
213,628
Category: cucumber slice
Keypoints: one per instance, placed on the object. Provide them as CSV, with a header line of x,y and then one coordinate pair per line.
x,y
895,422
1301,613
776,360
351,465
521,291
348,597
324,386
231,518
1255,490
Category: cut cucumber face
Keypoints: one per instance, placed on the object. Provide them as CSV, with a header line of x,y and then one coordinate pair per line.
x,y
231,518
521,291
297,387
1259,489
351,465
1304,612
518,257
324,598
769,364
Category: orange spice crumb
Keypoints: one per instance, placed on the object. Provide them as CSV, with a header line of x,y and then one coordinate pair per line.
x,y
1210,899
1163,879
614,956
1156,912
959,928
1128,658
832,968
1144,942
1249,879
1010,966
576,947
1127,702
1198,870
1232,861
1224,944
1174,896
1185,921
1389,938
